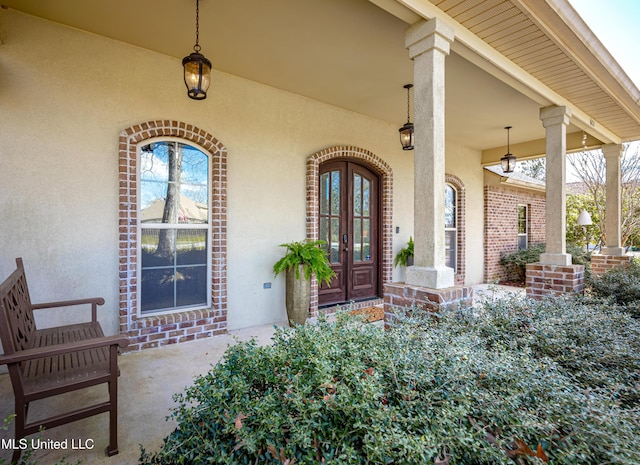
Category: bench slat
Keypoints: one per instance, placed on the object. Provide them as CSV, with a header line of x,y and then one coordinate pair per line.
x,y
58,370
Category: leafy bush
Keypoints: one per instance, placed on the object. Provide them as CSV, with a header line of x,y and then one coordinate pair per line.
x,y
516,382
621,285
517,261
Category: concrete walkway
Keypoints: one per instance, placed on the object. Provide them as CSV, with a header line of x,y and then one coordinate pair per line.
x,y
147,383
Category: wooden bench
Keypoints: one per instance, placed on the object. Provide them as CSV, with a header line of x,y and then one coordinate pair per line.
x,y
47,362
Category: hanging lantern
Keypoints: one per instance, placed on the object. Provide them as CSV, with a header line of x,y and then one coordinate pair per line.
x,y
406,131
197,68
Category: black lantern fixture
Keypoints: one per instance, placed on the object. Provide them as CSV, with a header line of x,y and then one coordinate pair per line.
x,y
508,162
197,68
406,131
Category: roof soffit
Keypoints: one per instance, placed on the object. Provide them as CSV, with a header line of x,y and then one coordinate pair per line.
x,y
510,40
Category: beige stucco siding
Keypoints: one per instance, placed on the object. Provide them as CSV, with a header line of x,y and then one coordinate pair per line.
x,y
65,95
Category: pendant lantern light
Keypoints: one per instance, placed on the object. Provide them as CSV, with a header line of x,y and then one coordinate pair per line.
x,y
197,68
406,131
508,162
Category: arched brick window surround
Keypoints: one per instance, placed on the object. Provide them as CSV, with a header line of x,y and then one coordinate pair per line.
x,y
457,184
152,331
385,172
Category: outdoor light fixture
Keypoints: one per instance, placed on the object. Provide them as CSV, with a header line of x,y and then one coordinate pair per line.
x,y
584,220
197,68
406,131
508,162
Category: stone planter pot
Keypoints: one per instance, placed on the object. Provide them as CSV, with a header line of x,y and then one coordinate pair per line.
x,y
298,295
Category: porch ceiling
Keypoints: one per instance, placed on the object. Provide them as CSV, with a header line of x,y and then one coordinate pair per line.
x,y
350,53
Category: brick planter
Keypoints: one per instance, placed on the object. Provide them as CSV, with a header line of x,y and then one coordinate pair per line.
x,y
548,280
404,297
600,264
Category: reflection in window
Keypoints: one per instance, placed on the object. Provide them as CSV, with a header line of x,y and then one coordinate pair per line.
x,y
450,226
330,213
174,226
523,227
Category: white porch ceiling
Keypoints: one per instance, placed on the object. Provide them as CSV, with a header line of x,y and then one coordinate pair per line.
x,y
351,54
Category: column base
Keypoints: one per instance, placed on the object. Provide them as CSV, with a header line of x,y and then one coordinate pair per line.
x,y
430,277
601,263
405,297
549,280
562,259
617,251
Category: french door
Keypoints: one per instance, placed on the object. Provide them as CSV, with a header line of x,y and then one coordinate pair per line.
x,y
349,224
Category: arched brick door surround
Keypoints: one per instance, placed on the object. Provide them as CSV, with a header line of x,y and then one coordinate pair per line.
x,y
385,172
169,328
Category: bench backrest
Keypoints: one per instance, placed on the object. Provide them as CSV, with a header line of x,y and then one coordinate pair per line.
x,y
17,324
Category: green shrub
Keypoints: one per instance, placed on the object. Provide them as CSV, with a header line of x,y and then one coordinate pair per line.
x,y
621,285
483,386
516,262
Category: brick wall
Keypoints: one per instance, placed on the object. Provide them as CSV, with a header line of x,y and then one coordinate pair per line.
x,y
501,226
401,297
170,328
548,280
600,264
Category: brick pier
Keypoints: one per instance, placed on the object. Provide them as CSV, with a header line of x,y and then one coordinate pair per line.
x,y
548,280
404,297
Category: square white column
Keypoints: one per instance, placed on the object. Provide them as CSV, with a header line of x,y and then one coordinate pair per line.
x,y
613,221
555,120
429,44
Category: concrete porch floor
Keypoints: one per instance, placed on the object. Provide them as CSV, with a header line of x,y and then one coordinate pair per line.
x,y
147,383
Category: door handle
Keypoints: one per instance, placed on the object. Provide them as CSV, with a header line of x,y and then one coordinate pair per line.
x,y
345,238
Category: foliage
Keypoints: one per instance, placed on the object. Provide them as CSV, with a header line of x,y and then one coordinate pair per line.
x,y
517,381
404,254
591,169
575,233
310,255
536,168
519,259
621,285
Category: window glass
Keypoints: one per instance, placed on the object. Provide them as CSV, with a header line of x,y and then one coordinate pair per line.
x,y
523,227
174,227
450,226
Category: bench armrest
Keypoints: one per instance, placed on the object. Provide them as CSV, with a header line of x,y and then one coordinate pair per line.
x,y
57,349
94,301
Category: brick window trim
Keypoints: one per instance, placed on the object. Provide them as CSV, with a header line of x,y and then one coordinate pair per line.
x,y
169,328
377,165
461,199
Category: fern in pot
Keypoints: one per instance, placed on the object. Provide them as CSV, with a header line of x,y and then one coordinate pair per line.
x,y
302,260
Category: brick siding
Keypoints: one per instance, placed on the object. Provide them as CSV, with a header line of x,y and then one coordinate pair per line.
x,y
501,226
169,328
600,264
548,280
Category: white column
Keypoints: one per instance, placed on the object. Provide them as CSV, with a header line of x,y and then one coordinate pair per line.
x,y
613,155
429,43
555,120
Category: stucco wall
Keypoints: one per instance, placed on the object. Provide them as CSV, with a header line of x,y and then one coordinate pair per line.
x,y
64,98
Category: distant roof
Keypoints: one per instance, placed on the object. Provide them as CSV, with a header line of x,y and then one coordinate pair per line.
x,y
517,178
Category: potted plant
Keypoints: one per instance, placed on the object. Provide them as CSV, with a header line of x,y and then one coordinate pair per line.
x,y
302,259
405,256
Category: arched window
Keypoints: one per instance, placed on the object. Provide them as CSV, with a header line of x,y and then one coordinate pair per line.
x,y
174,227
451,226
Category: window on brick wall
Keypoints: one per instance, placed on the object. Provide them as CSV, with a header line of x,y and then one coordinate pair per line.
x,y
523,227
451,226
174,226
